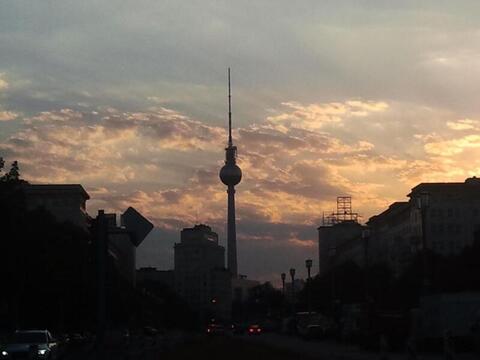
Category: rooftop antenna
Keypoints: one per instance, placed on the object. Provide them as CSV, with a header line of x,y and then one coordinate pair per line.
x,y
229,112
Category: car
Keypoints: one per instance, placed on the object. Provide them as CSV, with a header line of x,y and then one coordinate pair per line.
x,y
254,329
215,329
30,344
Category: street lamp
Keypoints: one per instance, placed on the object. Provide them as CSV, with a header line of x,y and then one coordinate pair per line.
x,y
283,276
423,203
308,265
292,275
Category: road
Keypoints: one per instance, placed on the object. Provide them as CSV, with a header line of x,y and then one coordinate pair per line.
x,y
187,347
182,346
333,350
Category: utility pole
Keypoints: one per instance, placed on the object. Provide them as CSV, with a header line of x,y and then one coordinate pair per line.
x,y
101,246
308,264
292,275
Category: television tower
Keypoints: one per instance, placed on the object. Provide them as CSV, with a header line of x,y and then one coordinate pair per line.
x,y
231,174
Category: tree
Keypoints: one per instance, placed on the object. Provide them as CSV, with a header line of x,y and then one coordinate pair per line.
x,y
13,174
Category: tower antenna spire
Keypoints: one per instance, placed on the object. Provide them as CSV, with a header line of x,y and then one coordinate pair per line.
x,y
230,143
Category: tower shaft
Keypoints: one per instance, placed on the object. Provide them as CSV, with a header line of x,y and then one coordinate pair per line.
x,y
231,174
232,233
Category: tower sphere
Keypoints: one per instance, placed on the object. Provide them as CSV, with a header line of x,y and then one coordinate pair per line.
x,y
230,174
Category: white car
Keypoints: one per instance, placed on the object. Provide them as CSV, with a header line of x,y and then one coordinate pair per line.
x,y
30,344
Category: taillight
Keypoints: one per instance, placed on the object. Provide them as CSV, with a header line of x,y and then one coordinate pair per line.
x,y
259,330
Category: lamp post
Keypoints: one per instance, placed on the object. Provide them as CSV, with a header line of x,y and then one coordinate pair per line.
x,y
423,203
308,265
292,275
283,276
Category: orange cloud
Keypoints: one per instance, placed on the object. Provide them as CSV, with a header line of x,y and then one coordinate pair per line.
x,y
7,115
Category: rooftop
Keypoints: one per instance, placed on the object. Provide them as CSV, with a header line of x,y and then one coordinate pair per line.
x,y
394,209
59,188
468,184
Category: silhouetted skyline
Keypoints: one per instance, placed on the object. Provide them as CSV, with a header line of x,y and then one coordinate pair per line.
x,y
331,99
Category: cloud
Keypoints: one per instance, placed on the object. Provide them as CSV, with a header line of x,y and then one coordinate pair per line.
x,y
463,124
453,146
315,116
8,115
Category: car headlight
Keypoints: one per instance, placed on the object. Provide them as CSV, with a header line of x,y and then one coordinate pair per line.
x,y
4,353
42,351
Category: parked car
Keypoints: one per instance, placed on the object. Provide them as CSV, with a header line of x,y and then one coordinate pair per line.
x,y
30,344
254,329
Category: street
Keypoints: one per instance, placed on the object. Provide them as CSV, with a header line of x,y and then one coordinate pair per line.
x,y
179,346
329,349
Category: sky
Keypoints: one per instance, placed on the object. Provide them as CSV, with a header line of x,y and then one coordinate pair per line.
x,y
330,98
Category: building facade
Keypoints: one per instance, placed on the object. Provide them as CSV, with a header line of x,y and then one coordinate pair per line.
x,y
442,217
338,243
201,278
393,236
452,214
66,202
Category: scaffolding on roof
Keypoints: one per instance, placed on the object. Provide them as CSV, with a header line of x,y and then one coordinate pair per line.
x,y
344,212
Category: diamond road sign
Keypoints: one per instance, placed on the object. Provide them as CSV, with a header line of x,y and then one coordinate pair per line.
x,y
136,224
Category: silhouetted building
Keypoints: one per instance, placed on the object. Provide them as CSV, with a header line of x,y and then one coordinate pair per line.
x,y
66,202
152,275
338,236
123,241
338,243
452,214
201,278
393,239
443,217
